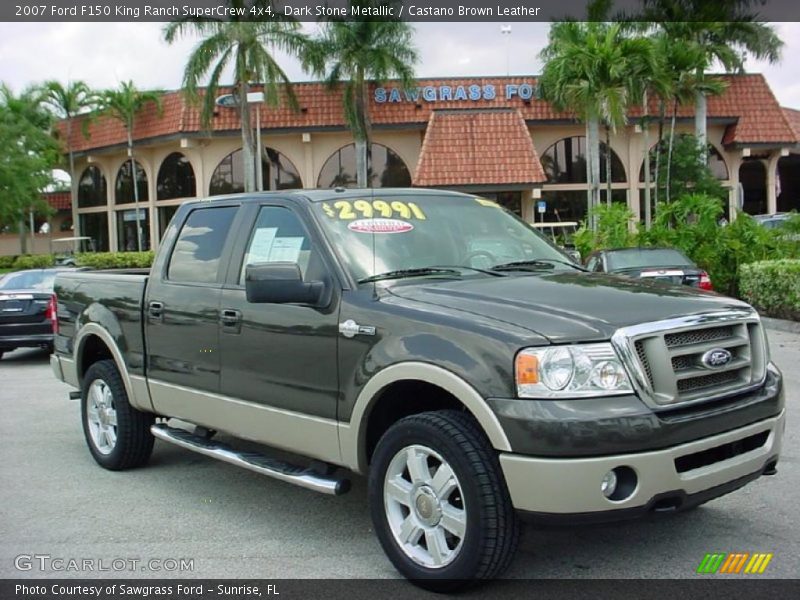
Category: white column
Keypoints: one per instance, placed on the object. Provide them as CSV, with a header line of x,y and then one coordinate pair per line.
x,y
772,179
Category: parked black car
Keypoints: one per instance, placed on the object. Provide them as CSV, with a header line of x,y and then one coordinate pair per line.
x,y
663,264
27,309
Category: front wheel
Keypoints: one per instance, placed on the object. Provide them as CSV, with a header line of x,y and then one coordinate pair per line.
x,y
439,502
118,435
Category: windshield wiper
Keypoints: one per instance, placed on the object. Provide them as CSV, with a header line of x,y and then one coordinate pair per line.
x,y
476,269
401,273
543,263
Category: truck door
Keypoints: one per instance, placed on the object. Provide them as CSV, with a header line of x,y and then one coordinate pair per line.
x,y
280,359
182,310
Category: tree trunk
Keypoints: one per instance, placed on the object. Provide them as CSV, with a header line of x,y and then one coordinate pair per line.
x,y
593,150
76,230
135,191
362,136
247,139
608,166
661,113
669,151
700,118
648,208
23,239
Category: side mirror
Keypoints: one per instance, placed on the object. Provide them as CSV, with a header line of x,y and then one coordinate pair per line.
x,y
280,283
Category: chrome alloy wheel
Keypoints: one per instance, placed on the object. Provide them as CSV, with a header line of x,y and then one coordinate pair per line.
x,y
425,506
101,416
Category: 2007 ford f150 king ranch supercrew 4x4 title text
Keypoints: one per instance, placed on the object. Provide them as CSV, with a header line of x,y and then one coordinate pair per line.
x,y
433,342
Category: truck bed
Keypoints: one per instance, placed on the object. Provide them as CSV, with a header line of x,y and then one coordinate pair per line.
x,y
112,298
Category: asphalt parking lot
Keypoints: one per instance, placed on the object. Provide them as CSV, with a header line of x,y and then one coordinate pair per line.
x,y
55,501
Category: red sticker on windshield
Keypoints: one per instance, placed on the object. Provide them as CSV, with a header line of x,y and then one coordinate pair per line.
x,y
380,226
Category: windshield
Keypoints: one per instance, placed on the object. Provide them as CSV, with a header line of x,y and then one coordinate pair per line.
x,y
29,280
426,230
634,259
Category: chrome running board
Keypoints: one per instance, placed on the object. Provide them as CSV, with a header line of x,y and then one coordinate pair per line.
x,y
252,461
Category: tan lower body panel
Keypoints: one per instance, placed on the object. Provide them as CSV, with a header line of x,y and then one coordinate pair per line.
x,y
65,370
310,436
565,486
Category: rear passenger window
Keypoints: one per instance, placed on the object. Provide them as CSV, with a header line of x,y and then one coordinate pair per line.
x,y
195,258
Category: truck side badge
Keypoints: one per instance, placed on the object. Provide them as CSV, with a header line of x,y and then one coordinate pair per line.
x,y
351,329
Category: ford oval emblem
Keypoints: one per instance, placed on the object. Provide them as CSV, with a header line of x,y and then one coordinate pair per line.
x,y
716,358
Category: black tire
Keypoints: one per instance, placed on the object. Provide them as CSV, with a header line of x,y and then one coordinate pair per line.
x,y
492,529
134,442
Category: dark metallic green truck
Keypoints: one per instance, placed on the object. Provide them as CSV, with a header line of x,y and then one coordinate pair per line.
x,y
438,345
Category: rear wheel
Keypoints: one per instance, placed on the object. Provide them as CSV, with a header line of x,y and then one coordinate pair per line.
x,y
439,502
117,434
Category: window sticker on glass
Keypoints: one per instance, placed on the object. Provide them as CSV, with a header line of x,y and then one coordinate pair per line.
x,y
485,202
261,245
286,249
365,209
380,226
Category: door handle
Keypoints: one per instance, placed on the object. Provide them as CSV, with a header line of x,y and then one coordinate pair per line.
x,y
230,317
155,310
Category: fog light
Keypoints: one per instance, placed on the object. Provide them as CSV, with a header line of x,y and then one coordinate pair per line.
x,y
609,484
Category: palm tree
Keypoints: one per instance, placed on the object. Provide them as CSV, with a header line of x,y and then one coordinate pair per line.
x,y
244,43
723,32
124,104
355,54
67,102
593,69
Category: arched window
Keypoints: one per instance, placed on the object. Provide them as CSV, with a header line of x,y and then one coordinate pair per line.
x,y
279,173
384,168
91,188
565,162
123,191
175,178
716,162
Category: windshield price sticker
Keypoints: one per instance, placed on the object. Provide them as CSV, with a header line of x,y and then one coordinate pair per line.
x,y
364,209
485,202
380,226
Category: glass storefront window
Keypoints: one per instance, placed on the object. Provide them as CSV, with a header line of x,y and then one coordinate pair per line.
x,y
126,230
175,178
384,168
95,226
123,191
165,214
91,188
565,162
278,173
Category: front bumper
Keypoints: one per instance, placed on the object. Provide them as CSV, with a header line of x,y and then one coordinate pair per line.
x,y
570,487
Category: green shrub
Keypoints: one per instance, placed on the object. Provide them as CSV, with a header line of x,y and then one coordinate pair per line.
x,y
33,261
6,262
612,229
116,260
773,287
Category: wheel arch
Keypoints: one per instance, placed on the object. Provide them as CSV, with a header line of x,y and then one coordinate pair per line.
x,y
95,343
356,439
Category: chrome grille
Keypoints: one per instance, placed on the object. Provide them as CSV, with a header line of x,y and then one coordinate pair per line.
x,y
667,356
684,338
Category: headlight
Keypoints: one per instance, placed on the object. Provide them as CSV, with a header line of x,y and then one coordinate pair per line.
x,y
577,371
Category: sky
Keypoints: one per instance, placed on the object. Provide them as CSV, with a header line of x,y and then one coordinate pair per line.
x,y
105,54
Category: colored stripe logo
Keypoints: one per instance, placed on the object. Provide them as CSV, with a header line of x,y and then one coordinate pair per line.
x,y
734,563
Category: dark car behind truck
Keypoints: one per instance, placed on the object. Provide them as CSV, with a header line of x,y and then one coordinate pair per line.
x,y
438,345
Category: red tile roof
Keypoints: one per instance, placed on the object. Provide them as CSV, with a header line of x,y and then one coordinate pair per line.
x,y
477,147
58,200
747,99
793,117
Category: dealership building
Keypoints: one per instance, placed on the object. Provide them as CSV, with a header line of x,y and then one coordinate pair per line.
x,y
486,135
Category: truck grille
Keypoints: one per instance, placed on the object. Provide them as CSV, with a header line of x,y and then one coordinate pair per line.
x,y
674,359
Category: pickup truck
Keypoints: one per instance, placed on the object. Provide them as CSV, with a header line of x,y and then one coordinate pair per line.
x,y
434,343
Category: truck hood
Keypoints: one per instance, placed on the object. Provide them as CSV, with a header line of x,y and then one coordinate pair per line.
x,y
565,307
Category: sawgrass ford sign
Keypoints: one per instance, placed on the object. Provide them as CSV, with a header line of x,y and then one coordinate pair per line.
x,y
446,93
